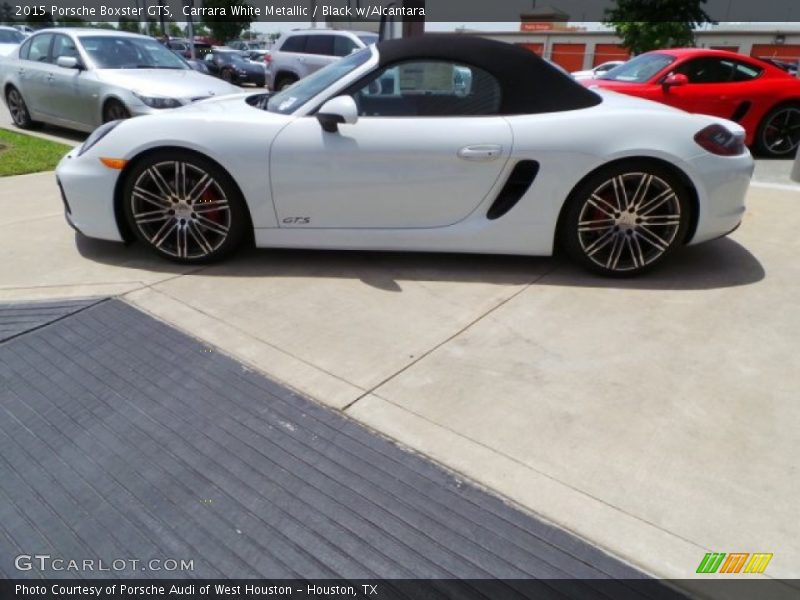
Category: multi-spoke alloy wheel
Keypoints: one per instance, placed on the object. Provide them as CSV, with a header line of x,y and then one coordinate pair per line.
x,y
625,220
184,208
18,109
779,134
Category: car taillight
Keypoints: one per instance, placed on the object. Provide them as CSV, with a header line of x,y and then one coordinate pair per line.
x,y
719,140
268,58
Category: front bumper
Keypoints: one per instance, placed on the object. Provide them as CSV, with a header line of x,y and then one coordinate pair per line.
x,y
87,190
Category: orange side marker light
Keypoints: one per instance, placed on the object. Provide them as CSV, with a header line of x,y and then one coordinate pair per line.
x,y
114,163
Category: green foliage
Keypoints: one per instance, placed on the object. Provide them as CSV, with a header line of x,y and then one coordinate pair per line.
x,y
129,24
645,25
6,13
103,25
71,22
21,153
41,21
225,28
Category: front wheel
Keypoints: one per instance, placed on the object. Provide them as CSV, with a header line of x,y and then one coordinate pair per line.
x,y
778,135
184,207
115,110
626,219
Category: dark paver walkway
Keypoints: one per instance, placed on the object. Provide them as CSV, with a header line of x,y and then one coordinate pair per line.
x,y
123,438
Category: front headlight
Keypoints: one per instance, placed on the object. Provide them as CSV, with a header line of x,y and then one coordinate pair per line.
x,y
97,135
159,101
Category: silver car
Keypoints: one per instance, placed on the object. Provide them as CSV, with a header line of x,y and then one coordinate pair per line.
x,y
10,38
300,52
80,78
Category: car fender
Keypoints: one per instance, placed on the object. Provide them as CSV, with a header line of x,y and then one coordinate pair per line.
x,y
239,146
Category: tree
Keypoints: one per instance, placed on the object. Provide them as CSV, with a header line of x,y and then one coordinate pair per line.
x,y
41,20
103,25
6,13
228,27
645,25
71,22
128,24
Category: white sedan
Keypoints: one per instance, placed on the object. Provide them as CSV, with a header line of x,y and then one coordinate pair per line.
x,y
600,69
382,150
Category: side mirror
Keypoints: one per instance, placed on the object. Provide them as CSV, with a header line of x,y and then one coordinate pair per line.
x,y
337,111
68,62
678,79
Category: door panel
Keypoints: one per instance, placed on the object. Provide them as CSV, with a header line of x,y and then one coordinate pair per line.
x,y
386,172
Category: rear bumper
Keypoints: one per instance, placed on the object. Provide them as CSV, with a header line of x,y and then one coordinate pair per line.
x,y
722,184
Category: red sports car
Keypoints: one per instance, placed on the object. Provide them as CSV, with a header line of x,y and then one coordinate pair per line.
x,y
761,97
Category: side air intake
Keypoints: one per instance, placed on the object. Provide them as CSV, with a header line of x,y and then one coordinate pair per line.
x,y
520,179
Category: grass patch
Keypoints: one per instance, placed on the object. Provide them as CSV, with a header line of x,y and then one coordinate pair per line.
x,y
20,154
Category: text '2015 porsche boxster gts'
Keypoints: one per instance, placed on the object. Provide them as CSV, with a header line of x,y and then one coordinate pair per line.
x,y
438,143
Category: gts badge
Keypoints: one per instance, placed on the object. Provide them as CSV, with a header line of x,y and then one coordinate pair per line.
x,y
297,221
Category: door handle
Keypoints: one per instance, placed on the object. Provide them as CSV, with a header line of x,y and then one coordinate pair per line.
x,y
480,152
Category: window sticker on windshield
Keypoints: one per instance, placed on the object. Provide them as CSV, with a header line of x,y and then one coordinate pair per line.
x,y
287,104
428,77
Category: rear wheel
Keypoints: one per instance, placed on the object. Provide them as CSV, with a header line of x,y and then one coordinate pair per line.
x,y
115,110
626,219
18,109
779,133
184,207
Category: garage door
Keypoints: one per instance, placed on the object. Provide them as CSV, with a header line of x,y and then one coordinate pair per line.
x,y
569,56
606,52
788,52
537,48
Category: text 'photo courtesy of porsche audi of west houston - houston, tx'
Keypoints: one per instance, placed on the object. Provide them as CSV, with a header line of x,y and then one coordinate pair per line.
x,y
436,143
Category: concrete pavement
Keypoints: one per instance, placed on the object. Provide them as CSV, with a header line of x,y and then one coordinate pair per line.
x,y
654,417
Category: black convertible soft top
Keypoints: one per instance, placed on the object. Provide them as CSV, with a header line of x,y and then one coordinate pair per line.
x,y
529,84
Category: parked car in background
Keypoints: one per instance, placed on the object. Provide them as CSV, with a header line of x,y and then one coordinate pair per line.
x,y
246,45
300,52
10,38
386,150
789,67
231,66
761,97
183,47
80,78
259,56
600,69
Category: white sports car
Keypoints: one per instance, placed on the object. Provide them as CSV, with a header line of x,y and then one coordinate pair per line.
x,y
385,150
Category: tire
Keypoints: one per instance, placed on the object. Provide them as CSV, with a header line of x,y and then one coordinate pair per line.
x,y
18,109
284,81
226,75
778,134
114,110
625,219
184,207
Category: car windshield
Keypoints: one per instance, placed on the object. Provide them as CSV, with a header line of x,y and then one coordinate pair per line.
x,y
9,36
639,69
290,99
109,52
368,38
